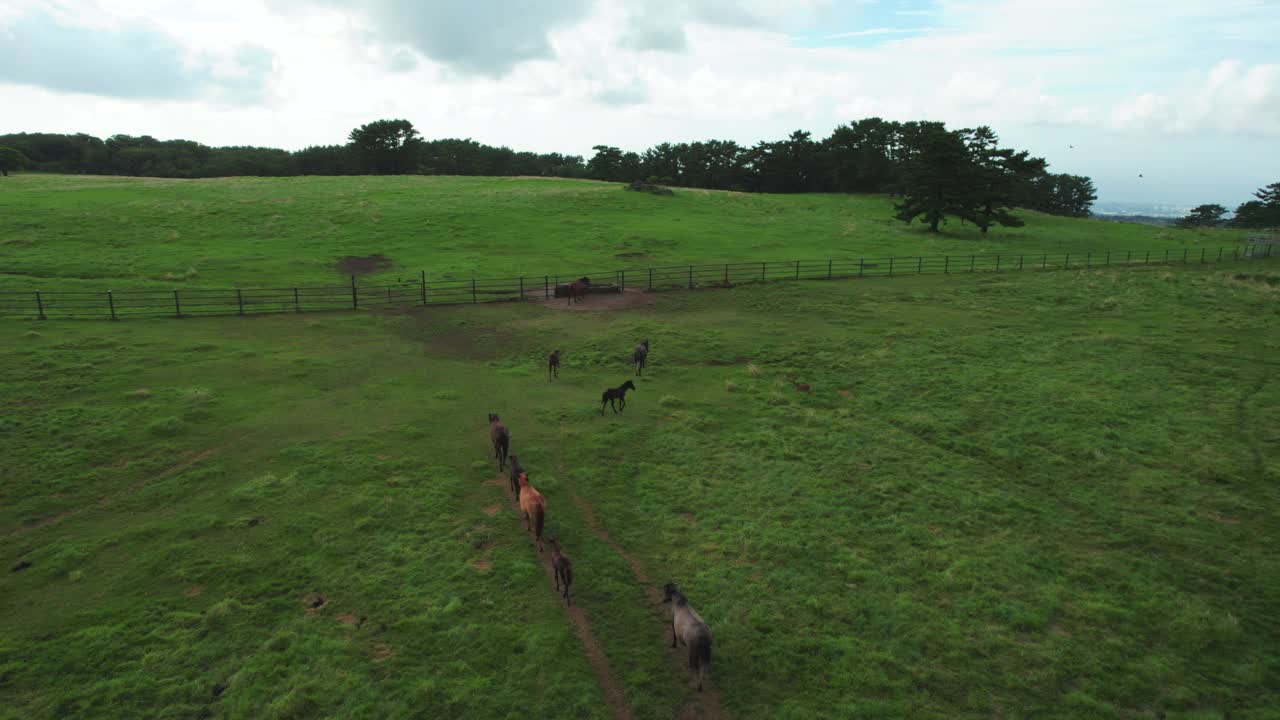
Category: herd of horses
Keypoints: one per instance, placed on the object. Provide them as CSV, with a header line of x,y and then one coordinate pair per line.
x,y
687,627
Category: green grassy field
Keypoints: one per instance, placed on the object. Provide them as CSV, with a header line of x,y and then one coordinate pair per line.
x,y
1023,495
93,232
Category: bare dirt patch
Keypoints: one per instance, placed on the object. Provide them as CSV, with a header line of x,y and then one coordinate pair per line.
x,y
347,619
356,265
483,564
313,602
845,393
1223,519
194,591
382,651
689,518
625,300
492,510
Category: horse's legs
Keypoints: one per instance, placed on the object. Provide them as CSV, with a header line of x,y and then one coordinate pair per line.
x,y
673,633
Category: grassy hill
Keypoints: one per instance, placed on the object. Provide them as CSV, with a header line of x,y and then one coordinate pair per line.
x,y
99,232
1000,495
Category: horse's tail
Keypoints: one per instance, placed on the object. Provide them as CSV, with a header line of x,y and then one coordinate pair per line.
x,y
701,655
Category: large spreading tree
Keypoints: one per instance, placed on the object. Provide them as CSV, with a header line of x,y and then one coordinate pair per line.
x,y
1209,215
1261,213
389,147
935,180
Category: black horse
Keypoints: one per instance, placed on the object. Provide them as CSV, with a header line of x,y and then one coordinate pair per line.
x,y
553,365
638,357
616,394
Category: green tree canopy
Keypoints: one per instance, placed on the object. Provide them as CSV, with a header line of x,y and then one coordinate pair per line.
x,y
389,147
935,180
1209,215
11,159
1261,213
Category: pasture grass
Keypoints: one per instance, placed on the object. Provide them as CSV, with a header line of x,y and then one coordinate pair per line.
x,y
99,233
1048,495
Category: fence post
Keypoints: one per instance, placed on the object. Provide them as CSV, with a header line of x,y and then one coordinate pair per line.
x,y
1166,256
919,264
1184,256
1219,255
860,267
297,306
762,266
1020,262
1088,259
650,278
111,303
1044,261
690,277
971,257
1147,260
726,274
473,289
388,294
828,269
946,265
1128,256
797,269
890,266
240,300
1066,262
622,279
1235,253
423,277
39,306
1201,256
355,299
1108,257
546,287
521,287
997,263
177,306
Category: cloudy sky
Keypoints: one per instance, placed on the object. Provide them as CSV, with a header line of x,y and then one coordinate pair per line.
x,y
1185,93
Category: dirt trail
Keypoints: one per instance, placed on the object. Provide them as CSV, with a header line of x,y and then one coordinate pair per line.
x,y
711,707
582,628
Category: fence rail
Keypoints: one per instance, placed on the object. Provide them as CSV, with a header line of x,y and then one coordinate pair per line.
x,y
180,303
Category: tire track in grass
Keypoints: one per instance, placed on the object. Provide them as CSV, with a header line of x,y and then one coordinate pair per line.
x,y
609,683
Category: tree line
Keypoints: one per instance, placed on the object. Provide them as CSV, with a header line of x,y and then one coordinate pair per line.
x,y
938,173
1262,212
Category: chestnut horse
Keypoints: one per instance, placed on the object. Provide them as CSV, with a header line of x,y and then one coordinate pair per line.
x,y
500,438
690,629
534,508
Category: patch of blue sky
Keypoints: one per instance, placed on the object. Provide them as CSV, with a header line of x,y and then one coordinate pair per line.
x,y
868,23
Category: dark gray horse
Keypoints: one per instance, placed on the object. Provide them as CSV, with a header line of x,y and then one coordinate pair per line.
x,y
690,629
639,356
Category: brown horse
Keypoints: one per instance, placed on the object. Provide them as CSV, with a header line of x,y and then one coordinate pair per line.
x,y
553,365
563,567
578,289
500,438
534,508
690,629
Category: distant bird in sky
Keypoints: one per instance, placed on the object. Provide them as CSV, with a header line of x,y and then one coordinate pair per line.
x,y
1139,174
